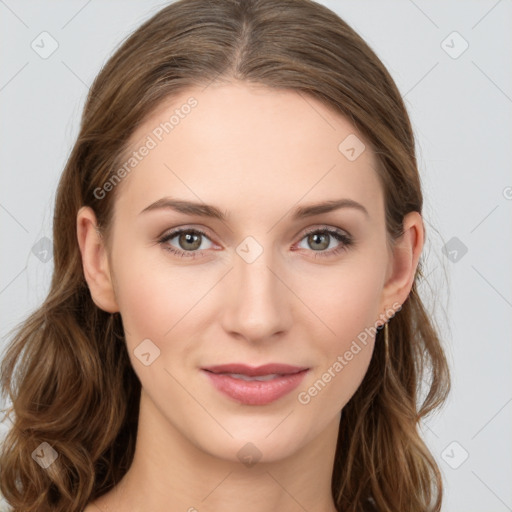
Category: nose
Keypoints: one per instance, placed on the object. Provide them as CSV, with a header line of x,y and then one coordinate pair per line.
x,y
257,304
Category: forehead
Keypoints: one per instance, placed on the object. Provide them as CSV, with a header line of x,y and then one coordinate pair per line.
x,y
240,144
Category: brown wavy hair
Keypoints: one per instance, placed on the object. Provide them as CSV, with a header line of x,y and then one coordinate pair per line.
x,y
66,369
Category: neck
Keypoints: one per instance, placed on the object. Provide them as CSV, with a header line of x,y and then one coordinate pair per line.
x,y
170,473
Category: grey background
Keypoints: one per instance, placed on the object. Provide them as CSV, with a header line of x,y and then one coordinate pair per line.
x,y
461,113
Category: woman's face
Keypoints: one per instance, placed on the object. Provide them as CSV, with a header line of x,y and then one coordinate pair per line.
x,y
262,285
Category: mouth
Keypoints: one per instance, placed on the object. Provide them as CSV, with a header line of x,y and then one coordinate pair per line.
x,y
255,385
255,371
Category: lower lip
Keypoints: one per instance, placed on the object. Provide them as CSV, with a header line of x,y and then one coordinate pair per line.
x,y
256,392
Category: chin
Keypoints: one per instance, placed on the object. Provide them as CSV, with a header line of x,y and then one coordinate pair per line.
x,y
264,440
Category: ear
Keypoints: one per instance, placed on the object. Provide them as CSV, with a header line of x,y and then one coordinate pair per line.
x,y
95,261
403,262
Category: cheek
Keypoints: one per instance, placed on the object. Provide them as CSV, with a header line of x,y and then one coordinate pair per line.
x,y
154,298
153,310
158,300
156,305
346,301
145,294
349,306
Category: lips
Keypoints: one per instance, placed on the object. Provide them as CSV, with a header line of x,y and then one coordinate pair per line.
x,y
255,385
256,371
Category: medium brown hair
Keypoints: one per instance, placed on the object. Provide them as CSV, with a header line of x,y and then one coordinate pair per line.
x,y
67,370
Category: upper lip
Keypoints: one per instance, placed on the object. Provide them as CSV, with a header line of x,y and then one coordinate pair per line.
x,y
255,371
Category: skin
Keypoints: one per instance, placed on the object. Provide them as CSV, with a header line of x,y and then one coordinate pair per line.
x,y
257,154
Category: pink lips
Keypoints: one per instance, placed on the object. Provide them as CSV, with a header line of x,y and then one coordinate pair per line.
x,y
255,392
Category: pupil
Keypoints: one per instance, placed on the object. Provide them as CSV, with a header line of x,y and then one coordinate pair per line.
x,y
316,238
188,238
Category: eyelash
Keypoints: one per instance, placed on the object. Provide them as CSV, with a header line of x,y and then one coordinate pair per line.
x,y
338,235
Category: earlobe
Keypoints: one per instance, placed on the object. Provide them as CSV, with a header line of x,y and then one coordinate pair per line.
x,y
404,261
95,262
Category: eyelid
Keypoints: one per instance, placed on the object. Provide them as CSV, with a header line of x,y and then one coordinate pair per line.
x,y
172,232
325,227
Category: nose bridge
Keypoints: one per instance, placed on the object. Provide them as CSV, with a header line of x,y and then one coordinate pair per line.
x,y
258,307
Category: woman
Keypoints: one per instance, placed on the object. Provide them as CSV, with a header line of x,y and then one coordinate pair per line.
x,y
197,350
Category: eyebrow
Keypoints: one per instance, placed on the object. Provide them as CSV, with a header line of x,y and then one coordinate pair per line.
x,y
206,210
